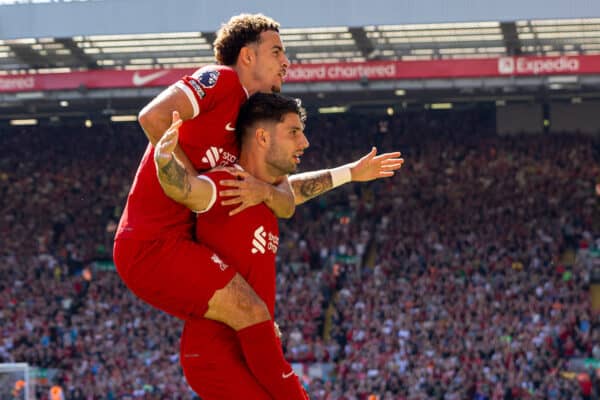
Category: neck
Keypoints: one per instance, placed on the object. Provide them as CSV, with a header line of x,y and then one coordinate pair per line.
x,y
246,80
258,169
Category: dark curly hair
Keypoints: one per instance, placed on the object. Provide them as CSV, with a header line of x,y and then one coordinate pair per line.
x,y
237,33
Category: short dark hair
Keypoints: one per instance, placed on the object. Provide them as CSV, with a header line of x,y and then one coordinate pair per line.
x,y
266,107
239,31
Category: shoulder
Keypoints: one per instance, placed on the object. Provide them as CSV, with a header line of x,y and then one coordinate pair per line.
x,y
212,75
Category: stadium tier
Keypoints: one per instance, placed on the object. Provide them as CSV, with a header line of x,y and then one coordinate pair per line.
x,y
472,273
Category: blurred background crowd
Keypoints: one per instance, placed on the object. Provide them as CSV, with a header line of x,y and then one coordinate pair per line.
x,y
464,276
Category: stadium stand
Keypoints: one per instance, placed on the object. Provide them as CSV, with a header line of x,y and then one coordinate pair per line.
x,y
462,277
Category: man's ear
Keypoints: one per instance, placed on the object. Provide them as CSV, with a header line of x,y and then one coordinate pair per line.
x,y
246,55
262,136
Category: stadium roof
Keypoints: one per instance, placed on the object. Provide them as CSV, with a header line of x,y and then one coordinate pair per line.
x,y
308,45
404,42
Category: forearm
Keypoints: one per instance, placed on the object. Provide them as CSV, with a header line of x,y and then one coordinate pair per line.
x,y
184,160
154,129
184,188
309,185
369,167
174,180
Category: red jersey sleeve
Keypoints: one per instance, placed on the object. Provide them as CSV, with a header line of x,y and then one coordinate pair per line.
x,y
206,87
215,209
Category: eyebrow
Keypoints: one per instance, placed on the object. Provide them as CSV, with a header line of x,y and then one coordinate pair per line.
x,y
278,47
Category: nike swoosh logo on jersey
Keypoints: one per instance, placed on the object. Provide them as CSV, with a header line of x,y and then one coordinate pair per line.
x,y
230,128
139,80
285,376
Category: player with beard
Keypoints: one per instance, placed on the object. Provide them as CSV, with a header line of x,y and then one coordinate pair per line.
x,y
270,130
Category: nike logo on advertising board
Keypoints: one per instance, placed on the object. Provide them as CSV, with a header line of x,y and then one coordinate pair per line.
x,y
139,80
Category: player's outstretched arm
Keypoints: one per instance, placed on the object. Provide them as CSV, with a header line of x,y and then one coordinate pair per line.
x,y
176,181
308,185
155,119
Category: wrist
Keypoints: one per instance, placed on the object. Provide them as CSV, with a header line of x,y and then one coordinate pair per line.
x,y
340,175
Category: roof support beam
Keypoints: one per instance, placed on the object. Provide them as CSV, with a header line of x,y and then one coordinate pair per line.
x,y
511,38
79,58
31,58
362,42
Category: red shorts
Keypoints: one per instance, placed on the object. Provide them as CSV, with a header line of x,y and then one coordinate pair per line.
x,y
178,275
225,378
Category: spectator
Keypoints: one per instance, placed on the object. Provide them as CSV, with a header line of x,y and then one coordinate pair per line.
x,y
452,280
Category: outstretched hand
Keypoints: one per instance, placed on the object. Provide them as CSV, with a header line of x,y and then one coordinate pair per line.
x,y
163,150
373,166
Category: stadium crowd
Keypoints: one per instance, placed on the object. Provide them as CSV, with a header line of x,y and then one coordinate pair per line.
x,y
453,280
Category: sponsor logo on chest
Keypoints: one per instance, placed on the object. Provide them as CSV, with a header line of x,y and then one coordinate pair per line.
x,y
216,156
263,241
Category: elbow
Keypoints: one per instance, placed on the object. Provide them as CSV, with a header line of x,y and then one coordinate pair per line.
x,y
148,120
144,118
176,197
288,212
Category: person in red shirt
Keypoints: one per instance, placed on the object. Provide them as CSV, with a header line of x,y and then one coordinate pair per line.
x,y
154,250
270,129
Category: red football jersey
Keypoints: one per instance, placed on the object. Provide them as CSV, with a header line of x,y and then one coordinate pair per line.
x,y
248,242
208,139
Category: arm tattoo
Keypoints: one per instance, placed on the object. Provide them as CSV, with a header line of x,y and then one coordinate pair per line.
x,y
311,184
173,174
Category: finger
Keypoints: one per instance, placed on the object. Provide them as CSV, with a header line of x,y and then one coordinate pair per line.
x,y
238,210
166,141
231,183
163,151
239,174
372,153
231,170
229,193
175,116
174,127
230,202
167,147
170,137
390,168
387,156
386,174
392,165
392,161
164,148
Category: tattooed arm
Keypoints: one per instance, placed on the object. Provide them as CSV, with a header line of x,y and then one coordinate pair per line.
x,y
156,117
177,182
310,184
372,166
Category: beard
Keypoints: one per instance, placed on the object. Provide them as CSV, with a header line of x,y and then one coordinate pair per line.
x,y
280,164
282,168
